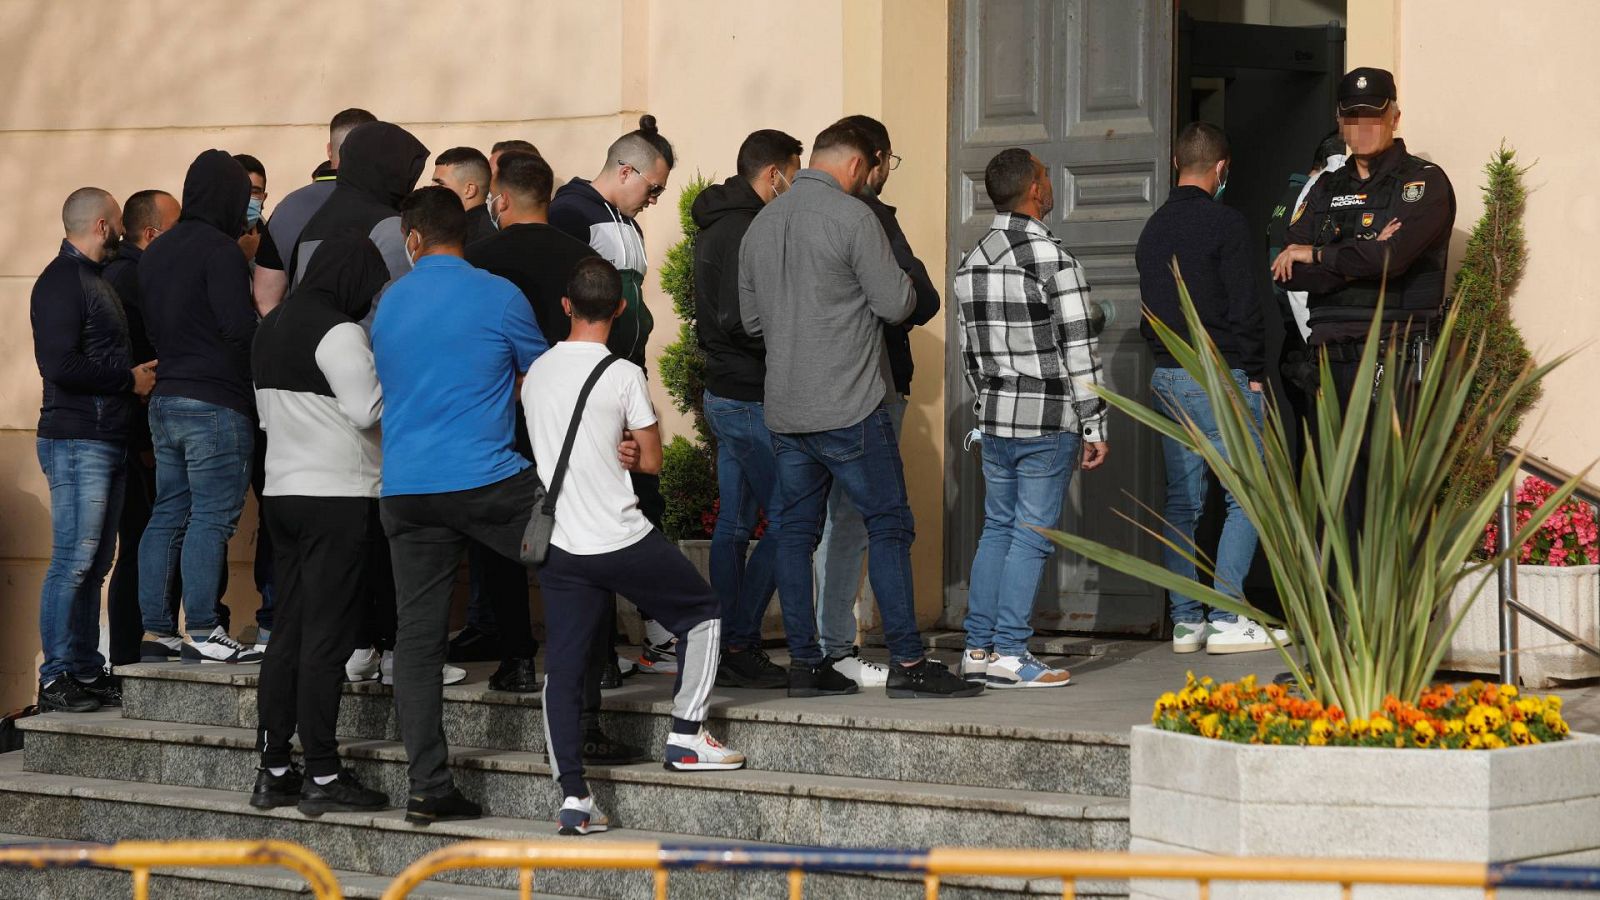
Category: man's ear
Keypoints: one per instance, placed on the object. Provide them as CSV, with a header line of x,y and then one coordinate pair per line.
x,y
566,307
622,307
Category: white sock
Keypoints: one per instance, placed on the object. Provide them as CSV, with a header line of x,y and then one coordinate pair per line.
x,y
279,771
325,779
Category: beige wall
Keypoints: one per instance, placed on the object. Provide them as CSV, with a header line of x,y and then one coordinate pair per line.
x,y
125,101
1474,72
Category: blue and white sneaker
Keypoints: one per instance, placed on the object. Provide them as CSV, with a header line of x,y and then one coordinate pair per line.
x,y
1006,672
581,816
700,753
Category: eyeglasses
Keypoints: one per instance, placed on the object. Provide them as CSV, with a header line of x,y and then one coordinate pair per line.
x,y
894,162
656,190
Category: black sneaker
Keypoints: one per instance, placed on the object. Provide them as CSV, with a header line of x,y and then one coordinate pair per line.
x,y
160,647
821,680
611,674
343,794
515,676
750,668
447,808
600,749
106,688
472,645
272,791
928,680
65,694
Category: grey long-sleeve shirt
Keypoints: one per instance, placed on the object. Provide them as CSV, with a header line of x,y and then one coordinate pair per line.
x,y
817,280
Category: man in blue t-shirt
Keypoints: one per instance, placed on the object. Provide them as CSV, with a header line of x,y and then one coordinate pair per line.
x,y
451,342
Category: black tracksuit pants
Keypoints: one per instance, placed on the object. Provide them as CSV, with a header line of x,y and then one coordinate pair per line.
x,y
321,552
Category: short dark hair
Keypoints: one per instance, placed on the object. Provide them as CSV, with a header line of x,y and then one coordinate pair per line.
x,y
469,157
842,135
251,164
437,214
644,141
527,175
1007,176
346,119
1332,144
1200,145
141,211
875,130
767,147
593,288
513,144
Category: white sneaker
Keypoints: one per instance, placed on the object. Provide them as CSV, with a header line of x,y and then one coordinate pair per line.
x,y
1025,671
660,658
452,674
863,672
975,665
700,752
1242,636
363,665
581,816
218,647
1187,637
263,635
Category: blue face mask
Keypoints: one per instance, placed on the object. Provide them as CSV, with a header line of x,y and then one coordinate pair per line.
x,y
1221,186
252,215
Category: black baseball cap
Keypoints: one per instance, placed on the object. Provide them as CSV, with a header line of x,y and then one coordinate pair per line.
x,y
1366,92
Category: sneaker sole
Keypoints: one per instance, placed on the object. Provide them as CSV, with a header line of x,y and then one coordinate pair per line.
x,y
511,689
975,677
1188,648
904,694
702,766
317,809
1237,648
273,801
156,657
645,668
50,708
580,830
425,820
819,692
1025,685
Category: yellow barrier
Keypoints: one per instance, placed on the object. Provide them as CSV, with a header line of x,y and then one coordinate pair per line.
x,y
933,865
140,856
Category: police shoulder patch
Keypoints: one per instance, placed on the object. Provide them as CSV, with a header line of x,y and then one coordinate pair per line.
x,y
1412,192
1298,212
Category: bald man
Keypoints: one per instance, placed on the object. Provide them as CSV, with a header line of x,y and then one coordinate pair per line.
x,y
80,341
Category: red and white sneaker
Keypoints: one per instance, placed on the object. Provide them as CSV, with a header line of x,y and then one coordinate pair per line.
x,y
700,753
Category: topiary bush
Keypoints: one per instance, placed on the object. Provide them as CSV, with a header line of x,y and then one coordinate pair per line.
x,y
688,467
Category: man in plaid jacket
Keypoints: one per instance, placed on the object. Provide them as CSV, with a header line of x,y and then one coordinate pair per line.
x,y
1028,342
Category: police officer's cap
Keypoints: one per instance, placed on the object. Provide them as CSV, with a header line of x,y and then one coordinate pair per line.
x,y
1366,92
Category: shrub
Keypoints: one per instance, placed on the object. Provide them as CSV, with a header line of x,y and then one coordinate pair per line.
x,y
688,467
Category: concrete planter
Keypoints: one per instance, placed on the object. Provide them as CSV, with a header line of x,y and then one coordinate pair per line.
x,y
1194,795
699,553
1568,594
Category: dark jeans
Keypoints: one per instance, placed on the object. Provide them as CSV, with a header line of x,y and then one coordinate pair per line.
x,y
322,546
86,484
865,458
1343,365
747,475
503,591
124,620
428,533
577,591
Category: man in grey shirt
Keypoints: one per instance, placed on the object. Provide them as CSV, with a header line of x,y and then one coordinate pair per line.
x,y
817,280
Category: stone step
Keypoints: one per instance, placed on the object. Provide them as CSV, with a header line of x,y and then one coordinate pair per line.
x,y
378,845
777,807
974,742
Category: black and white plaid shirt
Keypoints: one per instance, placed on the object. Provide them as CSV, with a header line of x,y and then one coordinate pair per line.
x,y
1029,356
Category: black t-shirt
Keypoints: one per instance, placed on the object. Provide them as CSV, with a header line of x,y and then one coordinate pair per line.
x,y
538,259
267,251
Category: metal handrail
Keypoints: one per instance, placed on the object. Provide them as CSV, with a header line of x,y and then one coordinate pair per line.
x,y
936,864
140,856
1510,605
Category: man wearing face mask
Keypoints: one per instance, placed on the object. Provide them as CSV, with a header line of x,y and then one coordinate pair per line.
x,y
465,171
380,163
1211,245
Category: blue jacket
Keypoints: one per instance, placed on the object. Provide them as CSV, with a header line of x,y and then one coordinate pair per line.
x,y
80,341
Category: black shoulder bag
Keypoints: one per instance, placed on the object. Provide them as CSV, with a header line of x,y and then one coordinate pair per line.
x,y
542,523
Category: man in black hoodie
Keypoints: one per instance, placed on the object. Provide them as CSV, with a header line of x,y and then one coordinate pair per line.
x,y
379,164
195,286
735,377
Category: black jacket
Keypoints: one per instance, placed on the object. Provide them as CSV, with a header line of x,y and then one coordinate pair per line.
x,y
538,258
736,363
379,164
897,338
194,285
122,273
480,225
80,341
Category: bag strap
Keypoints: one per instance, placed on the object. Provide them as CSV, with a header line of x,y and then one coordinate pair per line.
x,y
560,473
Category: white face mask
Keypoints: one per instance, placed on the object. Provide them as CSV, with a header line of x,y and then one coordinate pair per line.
x,y
406,248
494,216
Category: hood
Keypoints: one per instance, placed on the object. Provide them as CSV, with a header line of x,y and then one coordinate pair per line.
x,y
382,160
732,196
216,191
582,189
345,275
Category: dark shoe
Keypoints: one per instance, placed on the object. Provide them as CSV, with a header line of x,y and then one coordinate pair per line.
x,y
928,680
611,674
472,645
515,676
750,668
65,694
107,689
160,647
273,791
600,749
821,680
343,794
448,808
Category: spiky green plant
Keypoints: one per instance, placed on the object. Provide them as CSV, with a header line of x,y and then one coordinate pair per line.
x,y
1360,608
688,472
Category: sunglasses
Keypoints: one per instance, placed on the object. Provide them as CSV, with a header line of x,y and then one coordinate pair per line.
x,y
656,190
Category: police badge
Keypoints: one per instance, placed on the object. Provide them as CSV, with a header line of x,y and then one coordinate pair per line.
x,y
1412,192
1366,220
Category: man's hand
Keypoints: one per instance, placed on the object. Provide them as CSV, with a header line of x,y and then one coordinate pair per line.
x,y
1389,230
144,378
628,452
249,242
1094,454
1255,386
1283,266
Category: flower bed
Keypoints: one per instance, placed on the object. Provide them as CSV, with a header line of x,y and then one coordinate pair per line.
x,y
1477,717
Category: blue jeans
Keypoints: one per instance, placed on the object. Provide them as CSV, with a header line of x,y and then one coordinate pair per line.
x,y
86,480
1025,481
865,459
1177,395
839,558
747,475
202,473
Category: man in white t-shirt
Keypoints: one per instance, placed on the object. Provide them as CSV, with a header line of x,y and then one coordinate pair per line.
x,y
603,545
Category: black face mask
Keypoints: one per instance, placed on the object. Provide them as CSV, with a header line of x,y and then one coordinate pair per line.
x,y
112,244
